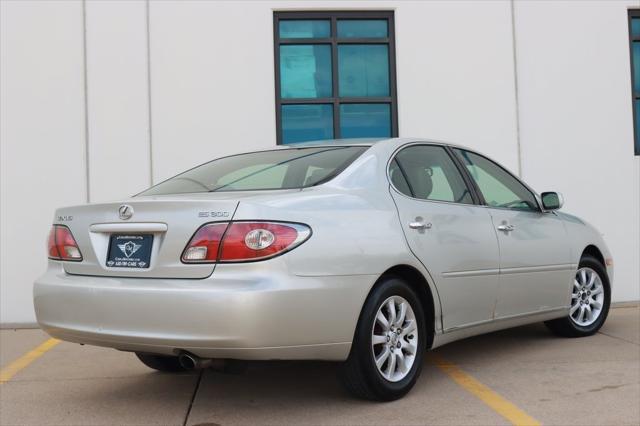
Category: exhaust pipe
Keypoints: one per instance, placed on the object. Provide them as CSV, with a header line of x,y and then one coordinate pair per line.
x,y
193,362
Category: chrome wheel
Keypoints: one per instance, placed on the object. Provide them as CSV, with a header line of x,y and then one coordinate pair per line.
x,y
587,297
394,338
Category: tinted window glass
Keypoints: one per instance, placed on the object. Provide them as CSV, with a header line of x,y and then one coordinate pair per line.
x,y
365,120
497,186
343,61
305,71
430,175
635,27
363,70
305,28
362,28
302,123
279,169
397,178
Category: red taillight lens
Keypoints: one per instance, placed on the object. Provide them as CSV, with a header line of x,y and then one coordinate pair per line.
x,y
62,245
243,241
205,244
255,240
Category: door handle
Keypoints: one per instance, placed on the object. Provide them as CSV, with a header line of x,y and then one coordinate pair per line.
x,y
419,225
506,228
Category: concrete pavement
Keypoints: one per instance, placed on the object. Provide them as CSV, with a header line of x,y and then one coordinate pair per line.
x,y
589,381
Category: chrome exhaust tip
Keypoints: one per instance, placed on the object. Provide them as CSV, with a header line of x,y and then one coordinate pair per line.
x,y
193,362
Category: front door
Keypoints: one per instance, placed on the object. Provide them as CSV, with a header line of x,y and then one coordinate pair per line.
x,y
535,269
451,235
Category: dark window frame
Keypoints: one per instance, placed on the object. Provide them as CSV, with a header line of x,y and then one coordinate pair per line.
x,y
335,100
635,96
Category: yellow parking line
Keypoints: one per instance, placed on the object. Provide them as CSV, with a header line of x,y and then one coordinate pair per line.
x,y
496,402
12,369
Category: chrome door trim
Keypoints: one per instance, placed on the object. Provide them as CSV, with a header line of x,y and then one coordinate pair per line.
x,y
472,273
543,268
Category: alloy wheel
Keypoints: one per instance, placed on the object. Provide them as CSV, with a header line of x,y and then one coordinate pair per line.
x,y
587,297
394,338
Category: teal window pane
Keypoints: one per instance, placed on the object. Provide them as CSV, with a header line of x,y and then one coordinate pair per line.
x,y
362,28
365,120
305,71
635,27
305,28
636,66
637,101
363,70
309,122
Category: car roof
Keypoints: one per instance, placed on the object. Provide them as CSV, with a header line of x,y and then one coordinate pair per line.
x,y
365,142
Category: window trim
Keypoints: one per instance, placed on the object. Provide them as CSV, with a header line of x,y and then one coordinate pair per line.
x,y
335,100
635,96
483,202
475,196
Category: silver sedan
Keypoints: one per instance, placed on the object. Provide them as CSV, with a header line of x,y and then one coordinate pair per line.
x,y
363,252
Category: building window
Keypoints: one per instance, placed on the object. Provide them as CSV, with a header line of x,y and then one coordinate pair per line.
x,y
335,75
634,46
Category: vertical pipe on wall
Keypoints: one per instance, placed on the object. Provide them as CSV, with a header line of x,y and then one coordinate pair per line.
x,y
515,81
149,94
86,99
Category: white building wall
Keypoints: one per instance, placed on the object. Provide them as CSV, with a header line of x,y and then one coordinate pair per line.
x,y
576,125
42,138
117,99
210,68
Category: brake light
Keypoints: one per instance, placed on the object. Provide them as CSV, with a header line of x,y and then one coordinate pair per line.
x,y
243,241
62,245
205,244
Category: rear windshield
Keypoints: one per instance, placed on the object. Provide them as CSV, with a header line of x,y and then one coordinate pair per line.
x,y
278,169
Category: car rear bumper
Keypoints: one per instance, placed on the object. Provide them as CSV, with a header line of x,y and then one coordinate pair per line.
x,y
243,311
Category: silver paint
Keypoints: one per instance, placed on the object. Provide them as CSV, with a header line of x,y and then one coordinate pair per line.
x,y
305,304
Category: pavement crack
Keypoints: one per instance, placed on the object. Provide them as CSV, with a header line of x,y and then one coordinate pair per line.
x,y
619,338
193,398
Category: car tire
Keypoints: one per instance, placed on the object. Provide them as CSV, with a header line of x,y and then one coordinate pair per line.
x,y
164,363
360,374
582,295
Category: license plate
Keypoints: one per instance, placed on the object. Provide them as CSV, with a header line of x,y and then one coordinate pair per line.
x,y
129,251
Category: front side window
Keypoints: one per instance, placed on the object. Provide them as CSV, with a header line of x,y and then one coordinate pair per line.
x,y
278,169
335,75
497,186
427,172
634,37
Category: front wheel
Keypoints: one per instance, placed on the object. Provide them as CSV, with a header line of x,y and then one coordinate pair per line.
x,y
590,299
389,343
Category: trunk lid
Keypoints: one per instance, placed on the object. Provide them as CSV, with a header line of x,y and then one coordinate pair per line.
x,y
170,220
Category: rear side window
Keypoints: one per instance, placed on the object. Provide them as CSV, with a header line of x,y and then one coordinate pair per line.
x,y
278,169
427,172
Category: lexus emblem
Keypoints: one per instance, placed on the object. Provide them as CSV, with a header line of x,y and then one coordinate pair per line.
x,y
125,211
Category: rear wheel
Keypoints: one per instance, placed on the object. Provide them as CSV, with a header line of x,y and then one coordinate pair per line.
x,y
167,364
590,299
389,343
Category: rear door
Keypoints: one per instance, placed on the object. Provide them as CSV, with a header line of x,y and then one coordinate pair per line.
x,y
535,269
451,236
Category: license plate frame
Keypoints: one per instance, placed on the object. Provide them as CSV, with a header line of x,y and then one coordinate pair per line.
x,y
131,251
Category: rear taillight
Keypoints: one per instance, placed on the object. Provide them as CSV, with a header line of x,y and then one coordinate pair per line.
x,y
243,241
205,244
62,245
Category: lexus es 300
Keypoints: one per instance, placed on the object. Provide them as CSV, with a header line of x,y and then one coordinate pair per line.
x,y
365,253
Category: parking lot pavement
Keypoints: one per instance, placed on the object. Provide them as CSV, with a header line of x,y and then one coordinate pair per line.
x,y
590,381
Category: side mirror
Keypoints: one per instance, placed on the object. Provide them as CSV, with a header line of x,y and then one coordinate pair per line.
x,y
552,200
